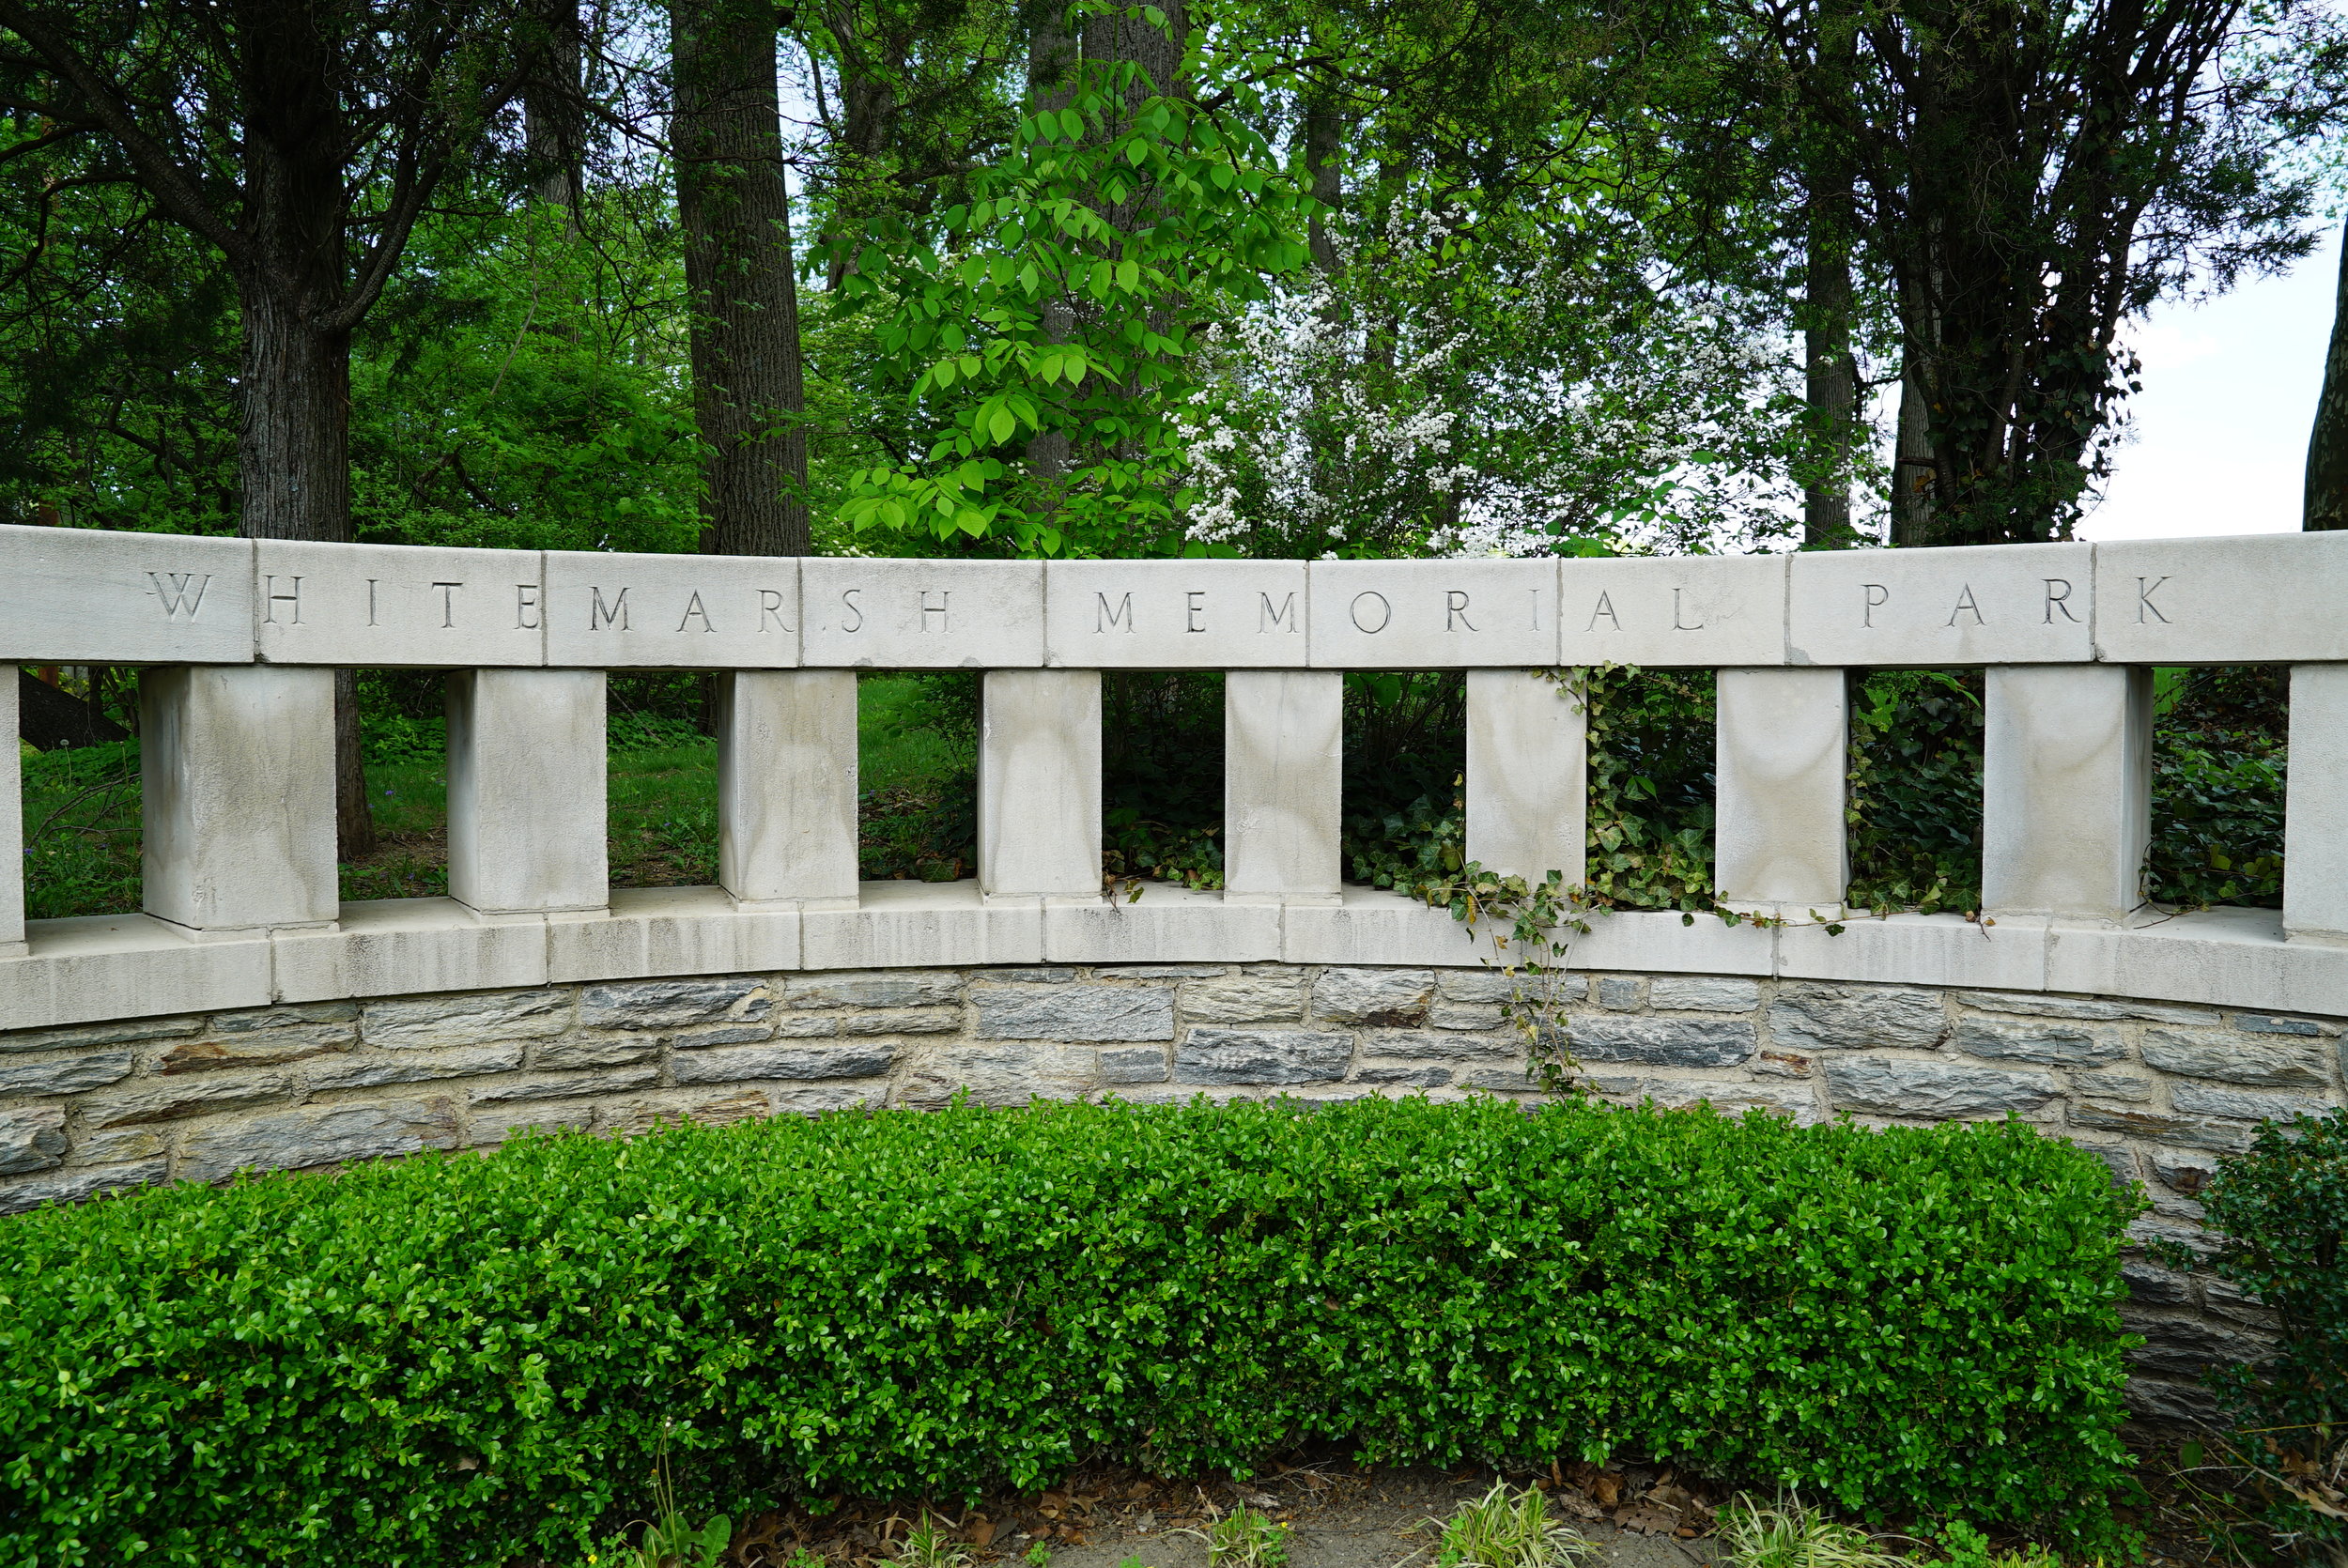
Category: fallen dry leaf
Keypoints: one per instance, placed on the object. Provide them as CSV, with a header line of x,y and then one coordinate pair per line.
x,y
982,1531
1606,1487
1570,1499
1647,1521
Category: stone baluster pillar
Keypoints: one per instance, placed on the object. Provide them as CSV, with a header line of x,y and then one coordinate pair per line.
x,y
2066,790
236,774
1040,785
1283,785
2315,810
1527,775
1780,832
527,824
786,788
12,820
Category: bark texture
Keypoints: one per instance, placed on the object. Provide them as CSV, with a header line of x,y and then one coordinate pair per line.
x,y
748,392
554,109
1831,387
2326,504
1052,66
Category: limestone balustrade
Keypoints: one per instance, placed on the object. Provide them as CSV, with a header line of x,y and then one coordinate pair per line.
x,y
235,640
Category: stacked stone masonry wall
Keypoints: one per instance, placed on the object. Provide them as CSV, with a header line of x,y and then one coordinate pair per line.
x,y
2157,1090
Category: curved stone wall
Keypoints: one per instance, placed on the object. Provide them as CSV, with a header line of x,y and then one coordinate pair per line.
x,y
2156,1089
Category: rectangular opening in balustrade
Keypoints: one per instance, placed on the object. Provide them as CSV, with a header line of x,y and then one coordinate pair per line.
x,y
918,776
403,750
2219,748
1651,782
77,737
661,778
1404,815
1162,776
1914,790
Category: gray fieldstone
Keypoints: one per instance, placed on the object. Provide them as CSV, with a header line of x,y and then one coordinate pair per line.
x,y
792,1099
2146,1228
908,1020
1496,985
257,1019
672,1110
168,1099
317,1135
1441,1014
566,1085
2155,1286
128,1032
2213,1053
1262,1056
1496,1081
2085,1008
734,1064
1133,1064
1396,998
32,1139
258,1048
699,1035
67,1075
1680,1042
1244,999
1163,972
1031,977
2182,1346
2112,1086
2137,1121
1422,1044
2049,1043
498,1123
1682,1093
2176,1406
114,1145
2261,1023
2202,1100
804,1027
1894,1087
596,1051
1703,993
2227,1302
476,1018
2182,1172
2121,1161
1818,1017
999,1075
1781,1064
1619,993
1407,1078
881,989
80,1182
1076,1013
415,1067
666,1004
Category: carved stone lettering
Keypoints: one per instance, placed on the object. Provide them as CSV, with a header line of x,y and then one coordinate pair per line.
x,y
1455,605
371,620
847,602
600,615
2057,600
1121,613
1678,625
1964,603
770,607
448,603
526,607
2144,602
1877,596
943,624
1272,619
272,598
1385,612
1195,604
172,592
1606,609
693,610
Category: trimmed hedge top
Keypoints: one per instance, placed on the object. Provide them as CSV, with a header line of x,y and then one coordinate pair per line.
x,y
459,1359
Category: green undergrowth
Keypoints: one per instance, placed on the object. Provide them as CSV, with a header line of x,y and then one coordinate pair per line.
x,y
461,1358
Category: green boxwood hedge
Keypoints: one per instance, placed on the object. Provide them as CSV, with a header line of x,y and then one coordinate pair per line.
x,y
463,1359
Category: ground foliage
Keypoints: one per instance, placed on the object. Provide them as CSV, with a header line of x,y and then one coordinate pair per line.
x,y
452,1357
2281,1210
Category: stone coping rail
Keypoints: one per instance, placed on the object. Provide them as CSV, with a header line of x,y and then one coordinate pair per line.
x,y
238,639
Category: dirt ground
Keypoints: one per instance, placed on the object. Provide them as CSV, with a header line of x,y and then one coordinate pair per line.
x,y
1338,1516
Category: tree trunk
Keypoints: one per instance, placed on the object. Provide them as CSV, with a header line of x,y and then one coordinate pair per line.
x,y
1832,379
1324,130
554,111
1912,466
749,394
2326,505
1052,66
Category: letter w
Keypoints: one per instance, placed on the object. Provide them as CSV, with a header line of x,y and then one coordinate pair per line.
x,y
177,594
